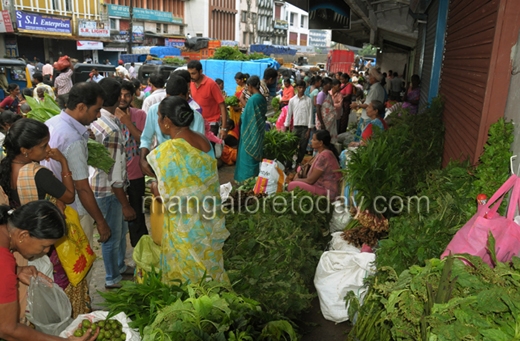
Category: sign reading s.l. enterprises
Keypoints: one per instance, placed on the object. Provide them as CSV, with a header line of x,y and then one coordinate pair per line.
x,y
44,24
142,14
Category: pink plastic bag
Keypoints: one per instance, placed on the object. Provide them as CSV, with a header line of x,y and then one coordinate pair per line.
x,y
473,236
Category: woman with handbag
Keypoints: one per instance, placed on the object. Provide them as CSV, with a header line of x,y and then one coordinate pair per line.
x,y
320,175
30,231
23,180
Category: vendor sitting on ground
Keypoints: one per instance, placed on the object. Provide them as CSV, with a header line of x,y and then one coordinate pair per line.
x,y
229,154
323,177
376,112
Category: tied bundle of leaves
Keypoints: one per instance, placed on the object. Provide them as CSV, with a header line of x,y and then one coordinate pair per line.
x,y
280,146
444,300
272,253
231,101
142,302
213,312
98,155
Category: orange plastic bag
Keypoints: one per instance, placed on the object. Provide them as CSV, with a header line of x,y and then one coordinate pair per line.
x,y
62,63
74,250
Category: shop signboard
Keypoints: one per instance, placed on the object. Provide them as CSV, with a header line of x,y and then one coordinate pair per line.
x,y
281,24
89,45
43,24
143,14
171,42
89,28
6,26
11,47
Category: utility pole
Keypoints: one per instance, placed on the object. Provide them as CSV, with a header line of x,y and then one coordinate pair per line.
x,y
130,28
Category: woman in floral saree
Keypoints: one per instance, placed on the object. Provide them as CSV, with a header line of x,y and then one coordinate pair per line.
x,y
187,183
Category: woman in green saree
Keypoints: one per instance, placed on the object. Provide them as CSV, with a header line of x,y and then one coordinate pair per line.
x,y
252,130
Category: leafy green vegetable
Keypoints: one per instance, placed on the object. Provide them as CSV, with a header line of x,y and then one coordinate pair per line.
x,y
98,156
271,255
233,53
232,101
174,61
281,146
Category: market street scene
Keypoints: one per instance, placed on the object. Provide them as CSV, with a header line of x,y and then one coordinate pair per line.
x,y
259,170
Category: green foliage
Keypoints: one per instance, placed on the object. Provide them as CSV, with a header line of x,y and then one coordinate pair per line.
x,y
233,53
98,156
232,101
280,146
393,162
423,232
444,300
271,255
368,50
174,61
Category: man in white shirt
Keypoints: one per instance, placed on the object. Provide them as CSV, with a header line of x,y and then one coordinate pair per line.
x,y
96,77
158,92
121,71
300,108
131,71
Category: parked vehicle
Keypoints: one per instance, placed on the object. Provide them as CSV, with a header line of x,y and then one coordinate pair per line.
x,y
81,71
13,71
340,60
147,69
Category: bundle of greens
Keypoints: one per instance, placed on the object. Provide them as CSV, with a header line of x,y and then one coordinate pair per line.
x,y
174,61
98,156
203,311
233,53
231,101
280,146
213,312
444,300
272,252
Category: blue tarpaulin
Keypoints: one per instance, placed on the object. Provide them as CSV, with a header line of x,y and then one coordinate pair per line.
x,y
163,51
272,49
227,69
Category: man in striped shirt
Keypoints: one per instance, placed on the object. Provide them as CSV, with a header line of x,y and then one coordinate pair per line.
x,y
109,189
63,82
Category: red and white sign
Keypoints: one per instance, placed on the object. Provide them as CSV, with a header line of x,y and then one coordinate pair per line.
x,y
6,26
89,45
87,28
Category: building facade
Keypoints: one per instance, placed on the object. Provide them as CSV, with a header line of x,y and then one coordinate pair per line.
x,y
280,25
247,22
265,27
298,21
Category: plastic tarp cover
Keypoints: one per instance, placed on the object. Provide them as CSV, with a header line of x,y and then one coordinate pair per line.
x,y
162,51
272,49
197,43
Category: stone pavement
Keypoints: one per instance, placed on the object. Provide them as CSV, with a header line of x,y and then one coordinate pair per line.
x,y
97,281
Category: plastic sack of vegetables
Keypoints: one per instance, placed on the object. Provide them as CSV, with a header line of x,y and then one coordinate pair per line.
x,y
97,316
271,178
146,256
48,307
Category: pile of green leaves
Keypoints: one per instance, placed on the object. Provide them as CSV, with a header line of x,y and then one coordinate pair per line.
x,y
272,253
98,155
203,311
280,146
142,301
213,312
231,101
174,61
233,53
447,199
393,162
444,300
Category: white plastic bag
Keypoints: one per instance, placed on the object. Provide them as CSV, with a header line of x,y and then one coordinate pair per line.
x,y
44,265
271,178
131,335
340,217
339,272
339,244
48,307
225,190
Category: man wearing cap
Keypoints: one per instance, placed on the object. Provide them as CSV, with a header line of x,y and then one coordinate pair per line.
x,y
122,71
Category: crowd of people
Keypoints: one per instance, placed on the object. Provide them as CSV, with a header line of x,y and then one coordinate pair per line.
x,y
176,131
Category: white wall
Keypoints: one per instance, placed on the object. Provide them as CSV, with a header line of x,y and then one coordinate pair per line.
x,y
297,25
196,15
